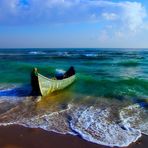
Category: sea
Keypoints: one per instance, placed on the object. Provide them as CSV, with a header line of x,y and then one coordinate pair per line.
x,y
107,104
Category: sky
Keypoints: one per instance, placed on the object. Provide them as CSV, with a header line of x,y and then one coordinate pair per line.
x,y
73,23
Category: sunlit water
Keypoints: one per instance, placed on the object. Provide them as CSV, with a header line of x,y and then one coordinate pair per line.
x,y
107,104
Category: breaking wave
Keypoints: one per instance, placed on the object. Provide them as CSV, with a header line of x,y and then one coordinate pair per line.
x,y
36,52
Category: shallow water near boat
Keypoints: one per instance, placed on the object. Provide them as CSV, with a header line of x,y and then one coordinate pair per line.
x,y
106,105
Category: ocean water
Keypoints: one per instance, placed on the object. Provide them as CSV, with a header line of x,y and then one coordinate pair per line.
x,y
107,104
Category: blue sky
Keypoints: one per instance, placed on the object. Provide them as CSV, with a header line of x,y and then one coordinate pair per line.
x,y
73,23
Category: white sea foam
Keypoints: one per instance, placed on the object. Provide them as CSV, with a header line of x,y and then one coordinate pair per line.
x,y
64,54
91,55
7,124
36,52
51,121
95,125
136,117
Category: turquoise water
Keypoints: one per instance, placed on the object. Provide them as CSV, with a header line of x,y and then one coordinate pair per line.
x,y
108,99
101,72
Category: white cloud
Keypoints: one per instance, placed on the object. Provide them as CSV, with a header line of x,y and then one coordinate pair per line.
x,y
103,37
119,34
133,14
110,16
123,15
128,15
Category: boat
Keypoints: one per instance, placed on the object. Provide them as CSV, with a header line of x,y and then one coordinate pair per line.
x,y
44,86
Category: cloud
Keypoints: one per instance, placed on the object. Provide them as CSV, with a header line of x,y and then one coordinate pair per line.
x,y
104,37
134,15
123,14
110,16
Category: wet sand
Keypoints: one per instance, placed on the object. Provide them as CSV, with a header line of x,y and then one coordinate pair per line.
x,y
15,136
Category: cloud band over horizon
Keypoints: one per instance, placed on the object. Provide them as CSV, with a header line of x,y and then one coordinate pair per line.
x,y
118,18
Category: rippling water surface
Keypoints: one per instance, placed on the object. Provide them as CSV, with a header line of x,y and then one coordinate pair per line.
x,y
106,105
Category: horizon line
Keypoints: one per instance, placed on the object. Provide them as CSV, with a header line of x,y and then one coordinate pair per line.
x,y
73,47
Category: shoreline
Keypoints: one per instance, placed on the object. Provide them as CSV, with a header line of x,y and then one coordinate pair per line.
x,y
17,136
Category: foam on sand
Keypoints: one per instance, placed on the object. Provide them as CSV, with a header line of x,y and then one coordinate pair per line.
x,y
95,125
136,117
100,123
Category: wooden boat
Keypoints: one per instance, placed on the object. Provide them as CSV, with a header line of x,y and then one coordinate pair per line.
x,y
42,85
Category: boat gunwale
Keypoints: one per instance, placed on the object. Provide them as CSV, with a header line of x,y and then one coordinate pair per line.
x,y
53,79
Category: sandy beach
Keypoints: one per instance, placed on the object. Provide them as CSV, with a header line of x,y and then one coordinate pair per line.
x,y
16,136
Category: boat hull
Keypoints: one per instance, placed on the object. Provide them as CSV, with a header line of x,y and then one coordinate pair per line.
x,y
47,86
